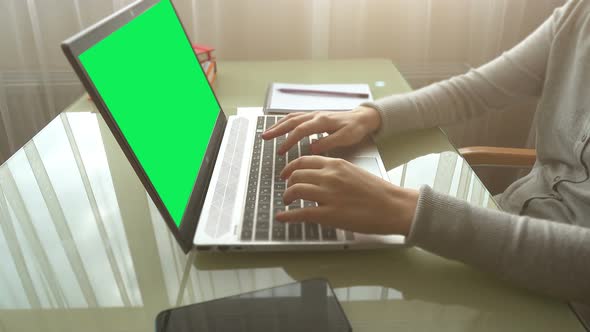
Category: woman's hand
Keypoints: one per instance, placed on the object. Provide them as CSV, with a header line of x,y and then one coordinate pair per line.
x,y
345,128
348,197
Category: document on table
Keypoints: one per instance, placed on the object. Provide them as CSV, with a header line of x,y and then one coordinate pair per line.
x,y
287,98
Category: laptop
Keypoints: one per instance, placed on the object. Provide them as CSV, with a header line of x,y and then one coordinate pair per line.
x,y
213,179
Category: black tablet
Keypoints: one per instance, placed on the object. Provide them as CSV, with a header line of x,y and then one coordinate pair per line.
x,y
307,306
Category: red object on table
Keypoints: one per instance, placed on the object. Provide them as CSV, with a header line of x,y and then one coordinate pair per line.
x,y
203,52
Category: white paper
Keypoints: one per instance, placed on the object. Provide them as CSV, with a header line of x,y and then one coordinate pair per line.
x,y
285,102
244,111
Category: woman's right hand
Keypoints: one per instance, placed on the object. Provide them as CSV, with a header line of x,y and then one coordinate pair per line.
x,y
344,128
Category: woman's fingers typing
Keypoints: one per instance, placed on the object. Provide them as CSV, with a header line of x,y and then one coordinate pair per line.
x,y
304,191
286,124
305,162
345,128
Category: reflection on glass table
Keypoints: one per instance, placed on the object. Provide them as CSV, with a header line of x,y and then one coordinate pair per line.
x,y
83,245
54,233
306,306
76,233
445,172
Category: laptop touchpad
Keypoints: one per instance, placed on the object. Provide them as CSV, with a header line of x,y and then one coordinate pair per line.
x,y
367,163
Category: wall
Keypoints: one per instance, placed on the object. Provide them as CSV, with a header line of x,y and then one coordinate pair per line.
x,y
428,40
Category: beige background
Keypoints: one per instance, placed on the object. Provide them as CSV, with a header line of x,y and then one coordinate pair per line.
x,y
428,40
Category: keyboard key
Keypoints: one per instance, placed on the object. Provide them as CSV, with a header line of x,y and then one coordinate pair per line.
x,y
264,198
249,216
293,153
261,234
279,231
260,123
309,204
246,235
250,205
295,205
329,234
295,232
312,232
251,191
253,179
263,207
270,121
262,224
305,147
263,216
247,225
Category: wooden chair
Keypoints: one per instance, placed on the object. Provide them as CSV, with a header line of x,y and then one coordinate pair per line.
x,y
499,157
501,160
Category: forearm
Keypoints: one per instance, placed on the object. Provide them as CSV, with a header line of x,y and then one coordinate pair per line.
x,y
514,77
539,254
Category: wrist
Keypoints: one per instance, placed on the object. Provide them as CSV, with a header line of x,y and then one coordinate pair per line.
x,y
371,117
405,202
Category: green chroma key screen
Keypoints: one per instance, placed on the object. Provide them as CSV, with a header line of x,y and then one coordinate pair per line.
x,y
154,87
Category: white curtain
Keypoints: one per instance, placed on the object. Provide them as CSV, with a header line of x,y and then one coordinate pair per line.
x,y
428,40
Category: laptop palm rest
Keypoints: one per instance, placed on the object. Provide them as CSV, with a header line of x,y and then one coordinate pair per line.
x,y
369,164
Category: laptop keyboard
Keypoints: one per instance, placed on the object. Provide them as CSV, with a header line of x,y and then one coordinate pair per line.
x,y
265,190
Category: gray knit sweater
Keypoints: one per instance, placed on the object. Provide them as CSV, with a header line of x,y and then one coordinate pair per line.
x,y
542,241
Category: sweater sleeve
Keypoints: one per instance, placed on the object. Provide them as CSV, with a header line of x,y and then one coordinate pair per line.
x,y
542,255
514,77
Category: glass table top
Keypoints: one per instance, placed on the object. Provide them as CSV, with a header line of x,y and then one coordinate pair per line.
x,y
84,247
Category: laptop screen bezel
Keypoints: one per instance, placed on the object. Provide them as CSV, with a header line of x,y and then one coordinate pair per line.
x,y
73,48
